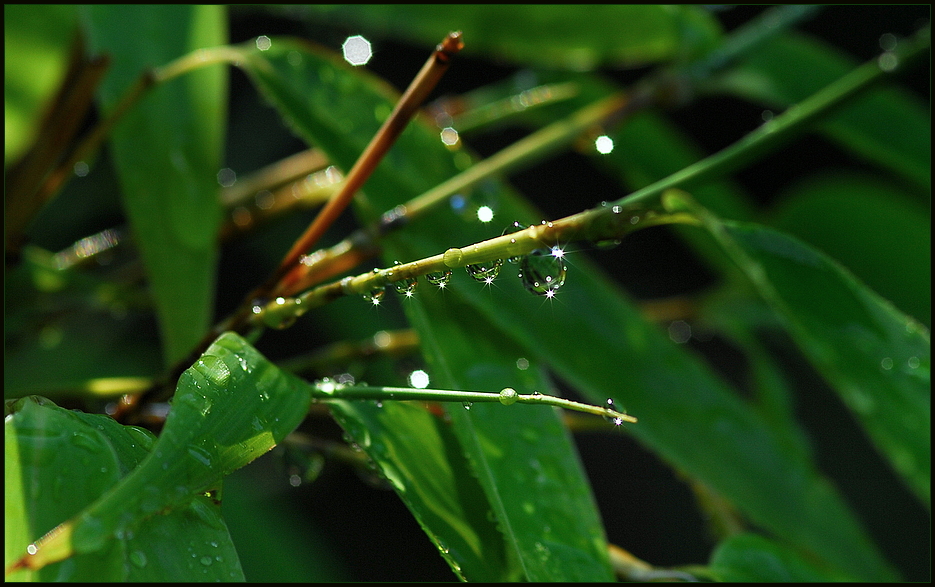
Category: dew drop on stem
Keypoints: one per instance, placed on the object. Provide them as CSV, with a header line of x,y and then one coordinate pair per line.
x,y
405,286
439,278
543,271
484,272
515,227
375,296
508,396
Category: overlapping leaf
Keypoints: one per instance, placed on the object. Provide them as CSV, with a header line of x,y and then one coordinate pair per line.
x,y
231,407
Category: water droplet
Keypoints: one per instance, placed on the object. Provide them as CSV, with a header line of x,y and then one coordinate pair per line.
x,y
484,272
214,369
508,396
405,286
138,558
515,227
85,441
439,278
452,257
375,296
206,561
281,313
467,405
543,271
611,412
607,244
201,455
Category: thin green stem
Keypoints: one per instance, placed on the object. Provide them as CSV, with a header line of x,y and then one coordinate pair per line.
x,y
533,148
328,390
782,128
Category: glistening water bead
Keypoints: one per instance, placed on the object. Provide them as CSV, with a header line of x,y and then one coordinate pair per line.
x,y
515,227
485,272
405,286
375,295
543,271
508,396
439,278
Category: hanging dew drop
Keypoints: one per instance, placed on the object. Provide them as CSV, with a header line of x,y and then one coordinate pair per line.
x,y
515,227
406,286
281,313
484,272
543,271
467,405
612,413
439,278
375,296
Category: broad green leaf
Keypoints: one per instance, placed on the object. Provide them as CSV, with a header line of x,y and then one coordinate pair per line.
x,y
522,455
889,126
36,41
167,151
422,460
47,445
876,358
571,37
892,251
750,558
230,407
313,93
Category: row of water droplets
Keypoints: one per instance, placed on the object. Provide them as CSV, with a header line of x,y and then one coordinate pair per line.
x,y
541,272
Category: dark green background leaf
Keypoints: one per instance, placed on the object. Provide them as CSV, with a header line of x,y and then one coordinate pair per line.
x,y
168,152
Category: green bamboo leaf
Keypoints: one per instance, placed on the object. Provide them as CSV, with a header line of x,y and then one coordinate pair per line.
x,y
889,126
45,446
752,558
557,36
876,358
895,231
230,407
167,152
323,101
420,457
522,455
36,41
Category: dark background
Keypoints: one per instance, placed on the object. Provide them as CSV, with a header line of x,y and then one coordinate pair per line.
x,y
646,508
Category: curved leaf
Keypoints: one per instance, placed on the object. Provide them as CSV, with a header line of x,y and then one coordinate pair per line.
x,y
558,36
420,457
231,407
892,254
752,558
876,358
45,446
